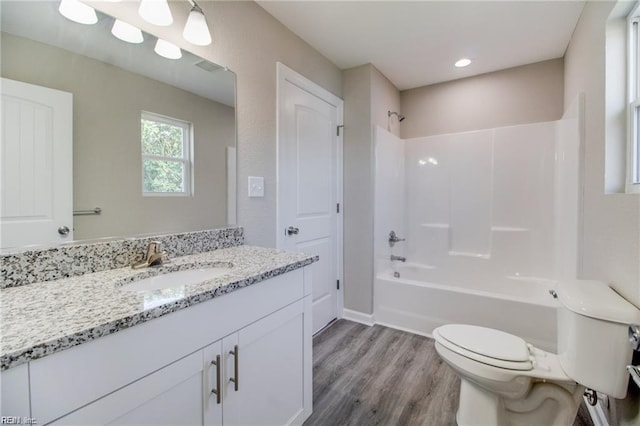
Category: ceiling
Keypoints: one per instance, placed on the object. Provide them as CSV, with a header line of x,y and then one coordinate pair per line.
x,y
416,43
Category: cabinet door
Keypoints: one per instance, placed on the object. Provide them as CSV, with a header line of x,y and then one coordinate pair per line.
x,y
170,396
269,372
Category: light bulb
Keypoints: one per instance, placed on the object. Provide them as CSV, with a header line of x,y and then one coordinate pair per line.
x,y
127,32
196,30
167,50
156,12
463,62
78,12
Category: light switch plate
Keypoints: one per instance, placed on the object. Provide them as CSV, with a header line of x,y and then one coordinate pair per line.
x,y
256,186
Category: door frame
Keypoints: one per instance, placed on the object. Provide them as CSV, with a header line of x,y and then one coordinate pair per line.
x,y
286,74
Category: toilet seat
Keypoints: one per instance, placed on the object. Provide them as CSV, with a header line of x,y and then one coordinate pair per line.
x,y
488,346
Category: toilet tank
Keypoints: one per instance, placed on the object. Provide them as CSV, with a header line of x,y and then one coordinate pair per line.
x,y
593,346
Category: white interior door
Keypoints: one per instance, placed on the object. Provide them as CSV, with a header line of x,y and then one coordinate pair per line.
x,y
309,184
37,179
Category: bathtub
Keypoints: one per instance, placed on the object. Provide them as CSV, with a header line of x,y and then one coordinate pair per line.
x,y
423,298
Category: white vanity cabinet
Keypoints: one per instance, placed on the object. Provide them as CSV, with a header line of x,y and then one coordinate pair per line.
x,y
270,371
14,392
170,396
161,371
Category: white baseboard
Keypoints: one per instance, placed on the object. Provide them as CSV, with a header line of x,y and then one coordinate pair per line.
x,y
366,319
405,329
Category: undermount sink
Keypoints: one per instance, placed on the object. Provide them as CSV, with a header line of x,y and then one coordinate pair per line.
x,y
177,278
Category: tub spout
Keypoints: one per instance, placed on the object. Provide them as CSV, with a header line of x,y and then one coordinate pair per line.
x,y
399,258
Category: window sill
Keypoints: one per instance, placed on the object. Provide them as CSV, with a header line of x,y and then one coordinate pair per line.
x,y
632,188
166,194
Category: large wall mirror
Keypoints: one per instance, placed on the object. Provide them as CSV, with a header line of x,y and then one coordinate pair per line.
x,y
153,139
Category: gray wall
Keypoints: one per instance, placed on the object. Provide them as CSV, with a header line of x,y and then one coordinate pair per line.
x,y
358,191
249,41
368,95
610,245
526,94
107,102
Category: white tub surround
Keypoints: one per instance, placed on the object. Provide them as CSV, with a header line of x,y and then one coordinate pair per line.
x,y
491,221
390,197
483,198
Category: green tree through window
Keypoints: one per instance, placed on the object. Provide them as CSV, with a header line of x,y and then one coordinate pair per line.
x,y
165,155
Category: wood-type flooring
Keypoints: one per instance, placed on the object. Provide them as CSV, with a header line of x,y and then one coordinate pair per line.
x,y
376,375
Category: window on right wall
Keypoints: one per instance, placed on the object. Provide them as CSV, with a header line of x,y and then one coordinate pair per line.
x,y
633,101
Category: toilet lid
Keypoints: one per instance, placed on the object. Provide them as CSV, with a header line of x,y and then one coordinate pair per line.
x,y
487,345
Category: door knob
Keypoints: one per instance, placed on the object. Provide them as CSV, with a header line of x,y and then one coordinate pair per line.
x,y
292,231
63,230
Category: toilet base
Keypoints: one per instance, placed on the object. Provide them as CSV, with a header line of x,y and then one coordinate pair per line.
x,y
546,403
477,406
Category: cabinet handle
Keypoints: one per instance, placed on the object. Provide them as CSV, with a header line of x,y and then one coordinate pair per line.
x,y
236,353
217,390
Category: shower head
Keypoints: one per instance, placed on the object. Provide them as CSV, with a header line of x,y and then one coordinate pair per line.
x,y
400,116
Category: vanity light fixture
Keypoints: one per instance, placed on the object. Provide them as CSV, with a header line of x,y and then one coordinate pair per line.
x,y
196,30
155,12
126,32
78,12
463,62
167,50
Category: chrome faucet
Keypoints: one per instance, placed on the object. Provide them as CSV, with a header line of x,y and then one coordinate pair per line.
x,y
154,256
393,238
400,258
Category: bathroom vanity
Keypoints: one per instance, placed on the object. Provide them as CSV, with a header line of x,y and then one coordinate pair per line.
x,y
84,339
234,349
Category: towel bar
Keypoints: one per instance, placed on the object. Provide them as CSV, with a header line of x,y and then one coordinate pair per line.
x,y
95,211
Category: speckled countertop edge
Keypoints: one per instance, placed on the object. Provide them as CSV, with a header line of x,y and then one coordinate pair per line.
x,y
44,318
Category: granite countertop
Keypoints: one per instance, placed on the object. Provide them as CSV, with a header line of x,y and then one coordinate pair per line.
x,y
39,319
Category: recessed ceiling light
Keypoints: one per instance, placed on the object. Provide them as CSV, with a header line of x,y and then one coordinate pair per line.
x,y
463,62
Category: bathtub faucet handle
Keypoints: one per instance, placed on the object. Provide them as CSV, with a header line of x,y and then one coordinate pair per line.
x,y
393,238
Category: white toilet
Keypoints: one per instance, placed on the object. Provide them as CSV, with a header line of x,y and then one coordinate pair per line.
x,y
505,381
